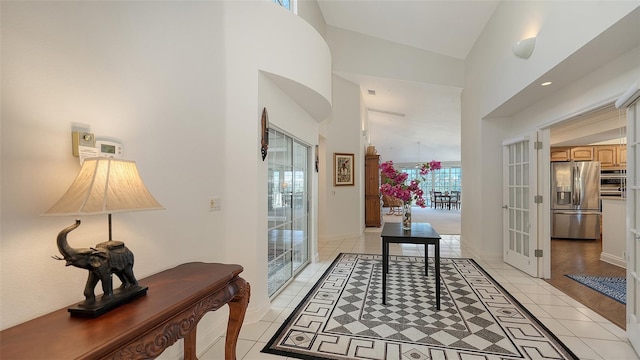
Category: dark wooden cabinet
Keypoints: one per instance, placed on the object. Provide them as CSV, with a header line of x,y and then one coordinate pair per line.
x,y
372,209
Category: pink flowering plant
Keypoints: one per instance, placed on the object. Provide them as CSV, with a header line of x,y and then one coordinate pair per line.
x,y
395,182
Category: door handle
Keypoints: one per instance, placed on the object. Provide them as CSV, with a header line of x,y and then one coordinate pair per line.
x,y
574,185
505,206
576,212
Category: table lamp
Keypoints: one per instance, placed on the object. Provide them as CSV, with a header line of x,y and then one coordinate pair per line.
x,y
103,186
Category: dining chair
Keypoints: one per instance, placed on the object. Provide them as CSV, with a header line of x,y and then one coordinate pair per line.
x,y
438,199
455,199
394,205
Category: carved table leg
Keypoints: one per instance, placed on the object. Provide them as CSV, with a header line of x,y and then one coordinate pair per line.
x,y
190,345
237,309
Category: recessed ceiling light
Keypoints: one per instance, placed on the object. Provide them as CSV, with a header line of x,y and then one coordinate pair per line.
x,y
546,83
372,92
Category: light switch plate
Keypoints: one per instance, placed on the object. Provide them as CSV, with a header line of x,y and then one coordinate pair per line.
x,y
214,203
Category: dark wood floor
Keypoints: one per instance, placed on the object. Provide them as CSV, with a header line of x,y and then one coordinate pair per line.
x,y
583,257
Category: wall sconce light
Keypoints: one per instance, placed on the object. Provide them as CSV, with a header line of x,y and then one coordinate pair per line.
x,y
524,48
103,186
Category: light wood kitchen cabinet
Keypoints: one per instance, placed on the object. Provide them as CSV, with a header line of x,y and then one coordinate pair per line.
x,y
611,156
582,153
560,153
372,208
577,153
607,155
622,156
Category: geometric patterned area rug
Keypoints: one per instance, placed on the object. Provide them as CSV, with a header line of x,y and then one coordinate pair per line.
x,y
342,317
614,287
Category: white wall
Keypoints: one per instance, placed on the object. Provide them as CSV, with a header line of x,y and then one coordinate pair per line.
x,y
285,47
323,186
140,72
178,83
561,27
310,12
343,215
614,229
602,86
120,68
494,75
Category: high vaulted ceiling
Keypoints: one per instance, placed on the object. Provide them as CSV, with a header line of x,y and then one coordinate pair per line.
x,y
444,27
410,120
409,123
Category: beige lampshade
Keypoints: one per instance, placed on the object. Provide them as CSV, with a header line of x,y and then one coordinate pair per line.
x,y
105,186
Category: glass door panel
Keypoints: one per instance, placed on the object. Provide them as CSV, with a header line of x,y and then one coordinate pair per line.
x,y
288,218
520,213
300,205
300,240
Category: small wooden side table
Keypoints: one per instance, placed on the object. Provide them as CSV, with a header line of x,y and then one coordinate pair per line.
x,y
141,329
420,233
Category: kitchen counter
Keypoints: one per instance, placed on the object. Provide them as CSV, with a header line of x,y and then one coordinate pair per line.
x,y
614,225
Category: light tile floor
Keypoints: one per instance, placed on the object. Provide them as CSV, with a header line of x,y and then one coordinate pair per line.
x,y
586,333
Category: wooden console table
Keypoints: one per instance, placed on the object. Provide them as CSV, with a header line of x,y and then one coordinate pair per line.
x,y
142,329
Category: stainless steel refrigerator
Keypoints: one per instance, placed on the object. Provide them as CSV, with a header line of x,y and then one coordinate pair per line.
x,y
575,200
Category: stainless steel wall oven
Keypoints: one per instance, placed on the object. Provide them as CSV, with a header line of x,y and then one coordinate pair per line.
x,y
613,183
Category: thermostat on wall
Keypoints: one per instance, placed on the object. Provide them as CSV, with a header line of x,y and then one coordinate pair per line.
x,y
108,148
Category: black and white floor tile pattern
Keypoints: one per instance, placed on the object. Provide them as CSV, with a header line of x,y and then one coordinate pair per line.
x,y
342,317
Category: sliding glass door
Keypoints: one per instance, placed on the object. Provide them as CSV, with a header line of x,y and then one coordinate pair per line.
x,y
288,209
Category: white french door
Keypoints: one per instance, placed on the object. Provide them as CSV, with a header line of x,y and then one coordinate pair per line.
x,y
520,215
633,225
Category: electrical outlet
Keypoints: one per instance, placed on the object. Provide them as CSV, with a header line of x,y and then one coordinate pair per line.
x,y
214,203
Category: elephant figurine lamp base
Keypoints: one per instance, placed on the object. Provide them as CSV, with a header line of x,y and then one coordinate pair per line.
x,y
106,259
101,306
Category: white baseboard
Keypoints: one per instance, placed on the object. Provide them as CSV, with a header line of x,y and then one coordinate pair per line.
x,y
612,259
473,252
337,237
255,313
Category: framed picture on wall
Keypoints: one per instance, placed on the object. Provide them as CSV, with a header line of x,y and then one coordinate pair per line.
x,y
343,169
